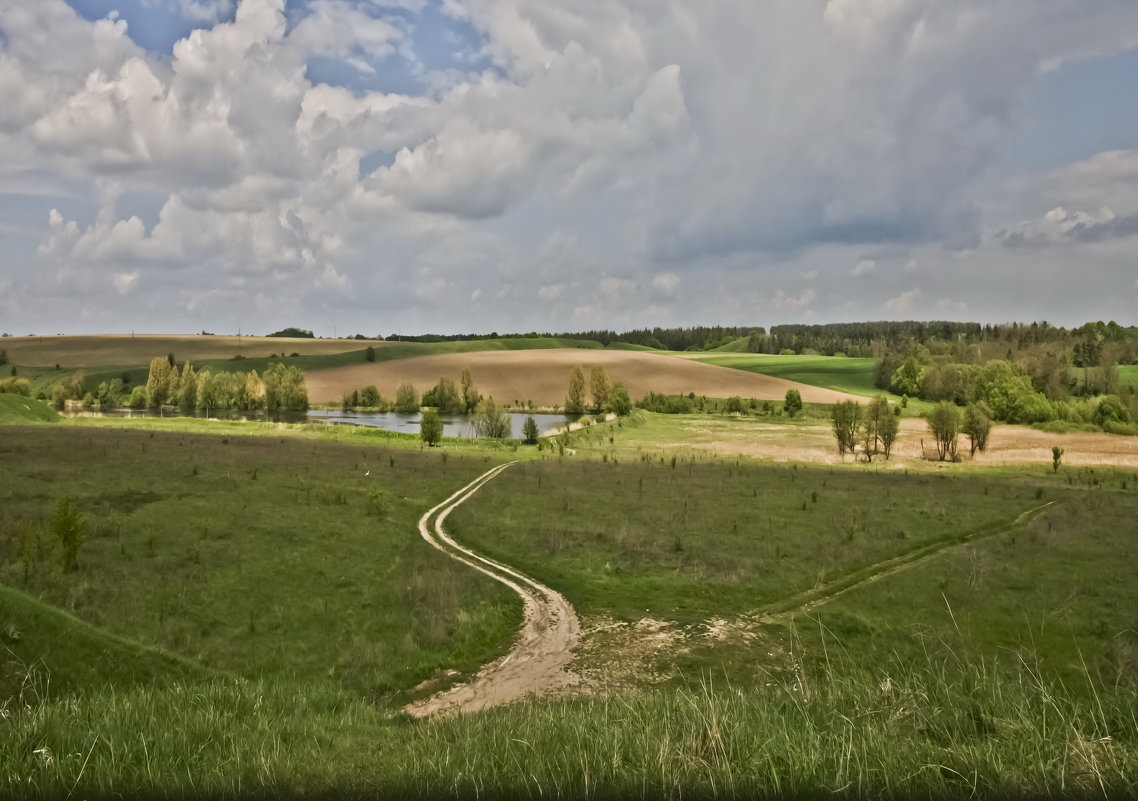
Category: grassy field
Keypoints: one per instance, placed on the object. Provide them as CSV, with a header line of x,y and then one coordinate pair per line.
x,y
258,556
841,373
1128,373
247,610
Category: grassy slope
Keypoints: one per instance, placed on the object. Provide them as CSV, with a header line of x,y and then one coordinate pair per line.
x,y
263,556
842,373
18,410
46,651
948,725
707,537
1129,374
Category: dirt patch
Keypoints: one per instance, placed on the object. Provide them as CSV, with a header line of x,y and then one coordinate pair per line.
x,y
542,376
118,350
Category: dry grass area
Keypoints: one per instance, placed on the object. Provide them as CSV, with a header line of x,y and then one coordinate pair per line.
x,y
125,350
542,376
815,443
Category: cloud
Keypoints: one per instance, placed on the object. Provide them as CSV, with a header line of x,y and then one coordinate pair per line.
x,y
602,156
905,302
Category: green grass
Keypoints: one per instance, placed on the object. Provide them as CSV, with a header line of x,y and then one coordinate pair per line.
x,y
1128,374
1002,666
45,652
840,373
260,556
927,728
19,409
701,537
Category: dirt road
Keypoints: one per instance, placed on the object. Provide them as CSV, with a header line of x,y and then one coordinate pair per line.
x,y
537,662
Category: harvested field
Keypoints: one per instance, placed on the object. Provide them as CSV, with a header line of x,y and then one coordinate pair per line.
x,y
542,376
124,350
815,443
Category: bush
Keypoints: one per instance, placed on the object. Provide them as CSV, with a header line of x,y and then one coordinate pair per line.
x,y
1125,429
793,402
490,422
70,529
15,386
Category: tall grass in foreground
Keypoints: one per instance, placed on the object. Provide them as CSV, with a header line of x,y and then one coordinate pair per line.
x,y
942,729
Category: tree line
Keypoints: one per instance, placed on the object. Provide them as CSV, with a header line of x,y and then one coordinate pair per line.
x,y
282,388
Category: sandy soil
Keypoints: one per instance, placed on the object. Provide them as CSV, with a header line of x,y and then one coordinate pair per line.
x,y
815,443
114,350
542,376
536,665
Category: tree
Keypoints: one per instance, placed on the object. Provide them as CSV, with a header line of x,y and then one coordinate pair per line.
x,y
599,387
295,333
793,403
162,381
469,391
944,425
620,403
406,398
284,389
490,421
529,430
877,415
431,427
976,426
846,416
369,397
188,388
575,400
444,396
888,429
369,354
1056,458
734,405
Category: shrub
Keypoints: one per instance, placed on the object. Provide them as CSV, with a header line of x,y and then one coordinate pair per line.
x,y
490,422
70,528
15,386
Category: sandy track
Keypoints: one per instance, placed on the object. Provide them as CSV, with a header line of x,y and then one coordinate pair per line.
x,y
542,376
537,662
115,350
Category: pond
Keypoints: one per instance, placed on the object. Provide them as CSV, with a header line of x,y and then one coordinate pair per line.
x,y
454,425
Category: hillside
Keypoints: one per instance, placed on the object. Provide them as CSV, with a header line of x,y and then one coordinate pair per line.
x,y
19,409
543,376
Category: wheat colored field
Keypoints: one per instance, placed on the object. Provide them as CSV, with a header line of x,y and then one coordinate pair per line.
x,y
542,376
125,350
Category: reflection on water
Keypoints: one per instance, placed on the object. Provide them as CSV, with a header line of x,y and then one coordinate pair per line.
x,y
454,425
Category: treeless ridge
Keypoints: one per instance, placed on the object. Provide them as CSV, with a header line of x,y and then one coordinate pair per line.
x,y
542,376
125,350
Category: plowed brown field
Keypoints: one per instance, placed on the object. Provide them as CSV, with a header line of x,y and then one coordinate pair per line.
x,y
124,350
542,376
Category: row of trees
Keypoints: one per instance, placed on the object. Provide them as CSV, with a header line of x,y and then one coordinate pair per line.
x,y
281,389
874,427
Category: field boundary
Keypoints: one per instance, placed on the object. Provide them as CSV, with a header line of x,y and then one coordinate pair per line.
x,y
811,599
549,632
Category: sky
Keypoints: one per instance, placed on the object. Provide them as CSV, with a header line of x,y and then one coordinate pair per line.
x,y
451,166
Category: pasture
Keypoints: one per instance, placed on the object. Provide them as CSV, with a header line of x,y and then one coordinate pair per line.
x,y
253,604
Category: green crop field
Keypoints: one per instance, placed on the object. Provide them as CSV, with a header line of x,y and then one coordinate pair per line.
x,y
252,603
841,373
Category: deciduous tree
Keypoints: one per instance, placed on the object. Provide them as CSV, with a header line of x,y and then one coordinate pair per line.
x,y
793,402
575,400
845,416
944,425
406,398
490,421
976,426
599,387
430,427
469,391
